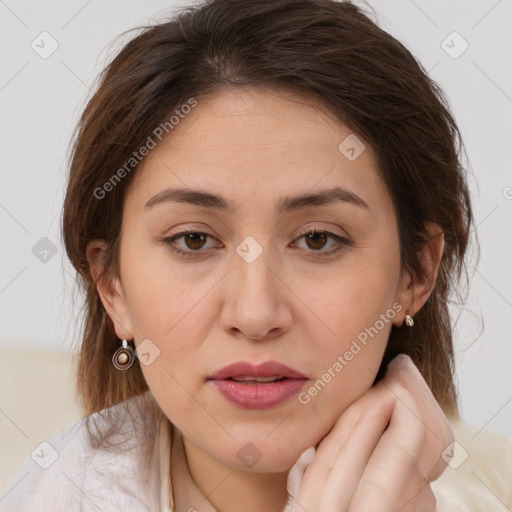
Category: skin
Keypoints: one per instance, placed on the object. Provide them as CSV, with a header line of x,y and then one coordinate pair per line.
x,y
254,146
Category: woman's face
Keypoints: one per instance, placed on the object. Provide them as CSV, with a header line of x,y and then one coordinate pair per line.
x,y
252,285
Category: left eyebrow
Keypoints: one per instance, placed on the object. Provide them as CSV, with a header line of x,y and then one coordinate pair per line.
x,y
322,198
284,205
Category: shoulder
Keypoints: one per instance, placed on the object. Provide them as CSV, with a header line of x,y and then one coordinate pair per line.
x,y
479,473
107,461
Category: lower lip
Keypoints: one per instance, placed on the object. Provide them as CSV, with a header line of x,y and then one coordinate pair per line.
x,y
259,396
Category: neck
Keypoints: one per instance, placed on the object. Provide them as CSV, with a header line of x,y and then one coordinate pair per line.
x,y
229,490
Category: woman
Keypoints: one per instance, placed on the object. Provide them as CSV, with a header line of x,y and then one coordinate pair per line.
x,y
267,212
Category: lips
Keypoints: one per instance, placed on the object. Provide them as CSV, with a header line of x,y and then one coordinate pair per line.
x,y
244,371
258,386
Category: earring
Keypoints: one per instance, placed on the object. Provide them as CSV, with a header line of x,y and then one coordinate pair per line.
x,y
408,320
124,356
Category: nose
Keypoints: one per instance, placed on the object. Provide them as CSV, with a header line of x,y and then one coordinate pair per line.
x,y
256,299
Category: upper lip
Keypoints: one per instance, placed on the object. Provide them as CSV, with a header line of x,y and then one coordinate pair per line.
x,y
266,369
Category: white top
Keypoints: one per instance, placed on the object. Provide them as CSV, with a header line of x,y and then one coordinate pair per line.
x,y
131,468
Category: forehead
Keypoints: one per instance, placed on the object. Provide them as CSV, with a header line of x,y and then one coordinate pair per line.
x,y
256,143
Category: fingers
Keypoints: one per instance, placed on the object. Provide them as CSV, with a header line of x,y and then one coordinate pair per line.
x,y
408,454
422,501
382,452
394,461
438,431
417,496
332,477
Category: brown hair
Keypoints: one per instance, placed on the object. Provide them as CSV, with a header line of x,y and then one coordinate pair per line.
x,y
327,50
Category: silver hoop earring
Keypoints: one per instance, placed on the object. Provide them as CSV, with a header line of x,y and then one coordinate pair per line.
x,y
409,320
124,356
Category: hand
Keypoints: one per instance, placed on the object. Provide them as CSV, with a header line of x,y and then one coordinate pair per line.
x,y
382,452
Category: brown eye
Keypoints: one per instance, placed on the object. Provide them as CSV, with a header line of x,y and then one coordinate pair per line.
x,y
195,241
316,240
192,244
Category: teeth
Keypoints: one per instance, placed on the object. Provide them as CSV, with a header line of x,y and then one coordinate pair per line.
x,y
244,378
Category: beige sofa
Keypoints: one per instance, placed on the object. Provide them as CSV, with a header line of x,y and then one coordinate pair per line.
x,y
37,400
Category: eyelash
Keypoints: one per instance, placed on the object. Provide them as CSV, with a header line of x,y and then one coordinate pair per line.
x,y
168,241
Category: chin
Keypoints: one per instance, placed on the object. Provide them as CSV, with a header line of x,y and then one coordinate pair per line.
x,y
265,465
263,456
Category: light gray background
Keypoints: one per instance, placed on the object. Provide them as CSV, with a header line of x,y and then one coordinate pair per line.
x,y
40,100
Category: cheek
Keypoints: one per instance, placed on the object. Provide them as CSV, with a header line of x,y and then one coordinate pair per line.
x,y
161,297
346,364
167,308
356,314
353,301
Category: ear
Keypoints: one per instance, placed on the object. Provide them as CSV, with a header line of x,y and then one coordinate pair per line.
x,y
109,289
413,292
